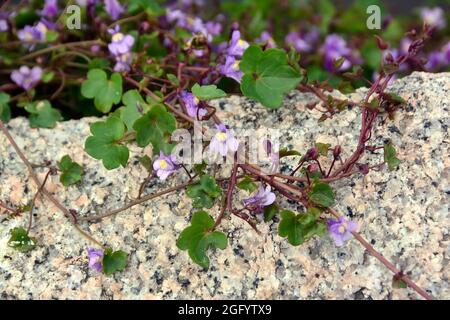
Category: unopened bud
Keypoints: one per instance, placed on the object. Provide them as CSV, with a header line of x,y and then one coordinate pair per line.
x,y
337,151
312,154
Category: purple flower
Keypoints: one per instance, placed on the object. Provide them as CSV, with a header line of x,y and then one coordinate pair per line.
x,y
267,39
334,48
223,141
231,69
263,198
3,25
303,42
120,49
123,62
85,3
341,230
433,17
113,8
50,8
273,155
446,52
213,28
192,105
120,43
165,165
376,76
25,77
33,33
436,60
95,258
237,46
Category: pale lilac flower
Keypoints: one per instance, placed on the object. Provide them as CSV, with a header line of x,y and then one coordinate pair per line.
x,y
266,38
223,141
95,258
303,42
120,43
341,230
120,49
273,155
435,60
123,62
192,104
446,51
237,46
85,3
50,8
3,25
213,28
334,48
113,8
25,77
191,2
376,76
433,17
177,16
165,165
404,45
37,32
264,197
231,69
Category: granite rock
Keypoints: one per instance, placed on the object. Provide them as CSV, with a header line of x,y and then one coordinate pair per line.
x,y
404,214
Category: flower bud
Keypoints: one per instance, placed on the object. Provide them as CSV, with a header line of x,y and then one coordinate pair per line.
x,y
337,151
363,168
312,154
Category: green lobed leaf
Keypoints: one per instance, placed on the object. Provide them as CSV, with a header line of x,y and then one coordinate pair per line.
x,y
20,240
104,143
5,110
299,228
70,171
114,261
42,115
146,163
104,91
207,92
154,127
322,194
134,107
197,238
390,157
270,212
323,148
247,183
267,75
204,193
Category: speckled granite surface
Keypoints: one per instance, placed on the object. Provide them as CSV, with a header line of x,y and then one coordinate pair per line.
x,y
405,214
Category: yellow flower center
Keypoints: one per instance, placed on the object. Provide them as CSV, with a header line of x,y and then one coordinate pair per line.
x,y
341,229
196,101
221,136
163,164
241,43
236,65
117,37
